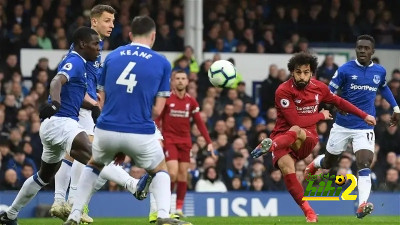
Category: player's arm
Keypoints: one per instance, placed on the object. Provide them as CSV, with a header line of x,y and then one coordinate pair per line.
x,y
158,106
50,108
163,91
346,106
337,81
285,103
92,105
388,96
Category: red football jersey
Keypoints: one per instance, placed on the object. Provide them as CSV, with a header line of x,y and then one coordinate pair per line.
x,y
300,106
175,118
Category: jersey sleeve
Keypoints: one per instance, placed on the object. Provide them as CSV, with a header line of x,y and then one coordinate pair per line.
x,y
337,81
285,103
340,103
164,88
386,92
195,111
102,77
72,67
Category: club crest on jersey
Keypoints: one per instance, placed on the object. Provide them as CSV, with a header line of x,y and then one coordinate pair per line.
x,y
67,66
172,105
317,99
298,101
284,103
377,79
187,106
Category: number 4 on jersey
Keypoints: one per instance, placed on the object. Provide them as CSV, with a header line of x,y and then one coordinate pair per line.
x,y
130,82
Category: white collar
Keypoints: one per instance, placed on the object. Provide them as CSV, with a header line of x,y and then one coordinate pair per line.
x,y
74,52
359,64
135,43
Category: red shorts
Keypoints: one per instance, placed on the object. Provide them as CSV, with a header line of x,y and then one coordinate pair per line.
x,y
305,149
177,151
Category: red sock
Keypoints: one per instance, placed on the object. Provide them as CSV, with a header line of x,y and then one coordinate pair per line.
x,y
294,187
180,194
173,185
284,141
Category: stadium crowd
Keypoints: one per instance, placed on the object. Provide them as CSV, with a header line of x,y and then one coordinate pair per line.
x,y
236,124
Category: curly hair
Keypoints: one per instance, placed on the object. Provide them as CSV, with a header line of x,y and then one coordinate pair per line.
x,y
303,58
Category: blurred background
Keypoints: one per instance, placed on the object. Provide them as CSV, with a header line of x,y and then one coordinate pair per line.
x,y
258,36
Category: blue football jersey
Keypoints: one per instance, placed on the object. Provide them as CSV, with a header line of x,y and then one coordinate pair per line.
x,y
93,70
358,85
132,76
73,66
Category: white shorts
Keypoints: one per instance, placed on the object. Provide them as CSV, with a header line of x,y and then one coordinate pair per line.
x,y
341,136
144,149
86,121
57,135
158,134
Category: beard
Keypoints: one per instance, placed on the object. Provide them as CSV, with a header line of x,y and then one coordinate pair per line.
x,y
301,84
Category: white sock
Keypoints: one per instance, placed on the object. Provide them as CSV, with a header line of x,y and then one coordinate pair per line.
x,y
61,180
85,187
153,203
76,171
161,189
115,173
28,191
317,161
364,185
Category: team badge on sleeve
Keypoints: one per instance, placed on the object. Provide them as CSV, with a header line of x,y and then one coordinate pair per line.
x,y
284,103
67,66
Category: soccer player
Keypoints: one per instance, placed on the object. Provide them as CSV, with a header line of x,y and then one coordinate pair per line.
x,y
295,134
359,81
60,131
134,84
174,122
102,21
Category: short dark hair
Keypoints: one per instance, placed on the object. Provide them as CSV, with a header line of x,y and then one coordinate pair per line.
x,y
303,58
368,38
142,25
97,10
83,34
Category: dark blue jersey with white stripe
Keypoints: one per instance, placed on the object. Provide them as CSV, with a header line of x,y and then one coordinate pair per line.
x,y
358,85
73,66
133,75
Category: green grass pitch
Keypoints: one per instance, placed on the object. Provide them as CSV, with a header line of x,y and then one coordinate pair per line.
x,y
279,220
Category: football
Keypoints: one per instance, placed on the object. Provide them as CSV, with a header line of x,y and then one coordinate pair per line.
x,y
222,74
340,180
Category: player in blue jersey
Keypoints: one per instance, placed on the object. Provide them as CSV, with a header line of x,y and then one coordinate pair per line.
x,y
102,18
359,81
60,131
134,86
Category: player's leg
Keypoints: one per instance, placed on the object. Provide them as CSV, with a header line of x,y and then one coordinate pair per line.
x,y
29,190
363,146
338,139
62,179
184,159
51,159
287,166
291,137
118,175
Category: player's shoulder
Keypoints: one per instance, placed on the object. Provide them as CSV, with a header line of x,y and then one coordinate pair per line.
x,y
348,65
314,83
72,61
379,68
190,98
285,86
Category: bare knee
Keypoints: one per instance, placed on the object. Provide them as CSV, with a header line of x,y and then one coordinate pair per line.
x,y
296,129
286,165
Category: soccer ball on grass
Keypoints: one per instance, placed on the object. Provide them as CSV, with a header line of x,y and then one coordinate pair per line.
x,y
222,74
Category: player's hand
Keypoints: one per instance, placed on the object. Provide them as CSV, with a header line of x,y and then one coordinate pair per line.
x,y
327,114
395,119
49,109
370,120
119,158
210,148
95,113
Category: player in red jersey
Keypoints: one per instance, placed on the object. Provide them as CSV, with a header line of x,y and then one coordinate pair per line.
x,y
295,134
174,122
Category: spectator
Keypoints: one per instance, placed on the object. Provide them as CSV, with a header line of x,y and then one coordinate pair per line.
x,y
10,181
43,41
328,68
18,161
276,183
268,87
392,181
210,182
